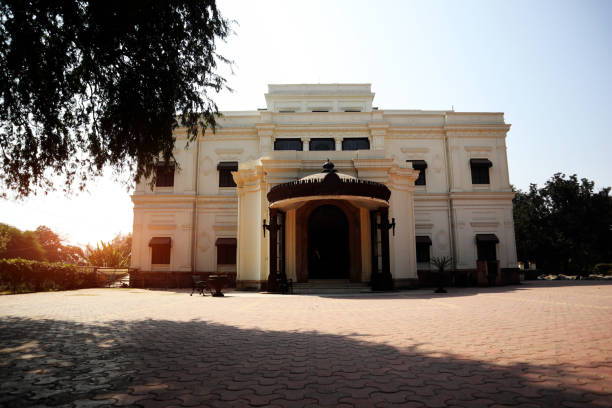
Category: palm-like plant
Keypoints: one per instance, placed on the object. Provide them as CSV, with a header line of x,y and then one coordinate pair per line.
x,y
107,255
441,262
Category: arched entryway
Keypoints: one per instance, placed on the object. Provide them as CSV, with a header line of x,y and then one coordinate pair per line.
x,y
328,244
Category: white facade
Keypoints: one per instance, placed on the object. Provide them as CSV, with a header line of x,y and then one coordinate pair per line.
x,y
449,208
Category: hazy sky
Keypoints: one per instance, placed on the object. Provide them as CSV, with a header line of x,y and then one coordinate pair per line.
x,y
547,65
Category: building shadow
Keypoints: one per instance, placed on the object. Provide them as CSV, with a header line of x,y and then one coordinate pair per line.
x,y
164,363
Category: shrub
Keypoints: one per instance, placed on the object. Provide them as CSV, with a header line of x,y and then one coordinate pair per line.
x,y
603,269
23,275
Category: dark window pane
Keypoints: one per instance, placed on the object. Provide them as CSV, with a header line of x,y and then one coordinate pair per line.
x,y
356,143
226,254
422,250
480,174
160,254
288,144
486,251
225,173
322,144
226,179
419,165
164,176
420,181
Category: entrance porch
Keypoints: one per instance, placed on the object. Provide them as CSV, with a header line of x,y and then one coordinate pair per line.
x,y
327,226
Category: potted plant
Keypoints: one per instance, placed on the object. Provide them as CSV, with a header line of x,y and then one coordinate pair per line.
x,y
441,262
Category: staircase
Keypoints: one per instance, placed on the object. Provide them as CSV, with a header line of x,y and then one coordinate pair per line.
x,y
329,286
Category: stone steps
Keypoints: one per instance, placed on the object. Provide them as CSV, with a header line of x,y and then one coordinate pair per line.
x,y
329,286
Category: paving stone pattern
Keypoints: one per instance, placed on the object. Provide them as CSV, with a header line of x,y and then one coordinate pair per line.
x,y
542,344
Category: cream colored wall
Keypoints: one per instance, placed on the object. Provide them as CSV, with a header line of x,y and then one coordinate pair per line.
x,y
168,219
432,220
402,147
484,215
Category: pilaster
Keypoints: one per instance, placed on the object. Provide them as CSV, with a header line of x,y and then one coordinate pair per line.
x,y
252,246
401,205
266,134
378,131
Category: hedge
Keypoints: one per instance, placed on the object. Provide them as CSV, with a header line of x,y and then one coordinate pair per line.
x,y
23,275
603,269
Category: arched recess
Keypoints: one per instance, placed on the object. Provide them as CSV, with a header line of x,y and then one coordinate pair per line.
x,y
328,244
301,229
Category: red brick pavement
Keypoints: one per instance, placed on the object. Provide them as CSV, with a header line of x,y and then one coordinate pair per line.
x,y
541,344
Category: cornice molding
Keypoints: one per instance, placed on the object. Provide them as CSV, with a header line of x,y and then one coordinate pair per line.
x,y
481,195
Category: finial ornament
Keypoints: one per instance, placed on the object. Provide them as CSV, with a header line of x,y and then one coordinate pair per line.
x,y
328,167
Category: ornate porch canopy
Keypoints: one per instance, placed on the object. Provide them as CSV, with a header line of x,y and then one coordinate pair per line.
x,y
329,183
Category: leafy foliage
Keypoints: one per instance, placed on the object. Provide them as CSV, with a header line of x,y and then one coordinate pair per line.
x,y
112,254
50,242
565,227
15,243
441,262
41,244
84,84
23,275
603,269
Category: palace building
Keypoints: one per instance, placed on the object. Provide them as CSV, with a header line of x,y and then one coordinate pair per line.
x,y
320,185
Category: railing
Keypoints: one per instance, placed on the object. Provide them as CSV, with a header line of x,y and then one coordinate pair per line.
x,y
108,277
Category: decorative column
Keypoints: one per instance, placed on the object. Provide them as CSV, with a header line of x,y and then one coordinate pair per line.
x,y
273,229
305,144
386,282
251,262
338,143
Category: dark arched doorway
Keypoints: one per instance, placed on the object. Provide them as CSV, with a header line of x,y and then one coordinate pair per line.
x,y
328,244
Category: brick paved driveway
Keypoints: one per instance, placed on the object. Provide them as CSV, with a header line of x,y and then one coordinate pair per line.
x,y
542,344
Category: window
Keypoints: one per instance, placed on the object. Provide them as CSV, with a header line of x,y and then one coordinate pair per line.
x,y
480,171
164,175
225,173
419,165
322,144
355,143
423,244
352,110
320,110
288,144
485,246
286,111
226,251
160,250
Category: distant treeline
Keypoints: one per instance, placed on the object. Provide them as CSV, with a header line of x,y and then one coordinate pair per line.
x,y
43,244
565,226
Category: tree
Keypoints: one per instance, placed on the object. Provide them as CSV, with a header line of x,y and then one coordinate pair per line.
x,y
50,242
85,84
566,227
18,244
72,254
40,244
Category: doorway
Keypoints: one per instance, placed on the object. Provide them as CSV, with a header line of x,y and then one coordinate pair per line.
x,y
328,244
486,251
